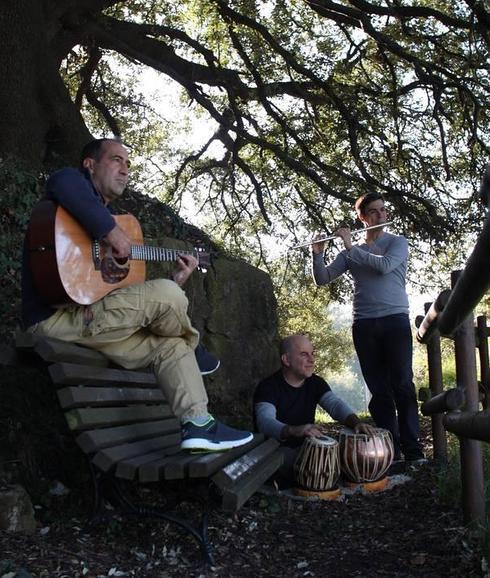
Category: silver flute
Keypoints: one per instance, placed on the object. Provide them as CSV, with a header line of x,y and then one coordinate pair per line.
x,y
354,232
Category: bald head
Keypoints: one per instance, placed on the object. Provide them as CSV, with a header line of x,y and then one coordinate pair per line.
x,y
297,358
290,342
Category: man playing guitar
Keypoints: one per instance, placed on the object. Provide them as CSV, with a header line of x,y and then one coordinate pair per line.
x,y
137,325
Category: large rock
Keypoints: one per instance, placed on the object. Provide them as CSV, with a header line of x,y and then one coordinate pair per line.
x,y
234,308
16,511
232,305
241,328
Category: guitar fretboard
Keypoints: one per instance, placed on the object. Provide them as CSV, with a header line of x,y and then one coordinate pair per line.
x,y
149,253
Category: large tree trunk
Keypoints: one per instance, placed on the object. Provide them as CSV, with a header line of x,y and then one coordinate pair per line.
x,y
39,123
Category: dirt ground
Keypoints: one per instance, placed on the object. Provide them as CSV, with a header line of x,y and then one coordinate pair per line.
x,y
403,531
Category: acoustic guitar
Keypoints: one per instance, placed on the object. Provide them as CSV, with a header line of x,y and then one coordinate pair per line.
x,y
68,266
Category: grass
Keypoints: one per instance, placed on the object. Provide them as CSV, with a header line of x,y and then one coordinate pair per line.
x,y
449,490
322,417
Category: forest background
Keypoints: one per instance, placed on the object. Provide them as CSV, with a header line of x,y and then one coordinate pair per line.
x,y
261,122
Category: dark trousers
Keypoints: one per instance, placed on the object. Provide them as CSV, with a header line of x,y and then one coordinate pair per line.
x,y
384,348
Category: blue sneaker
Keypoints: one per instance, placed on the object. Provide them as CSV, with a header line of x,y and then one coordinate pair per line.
x,y
207,362
212,436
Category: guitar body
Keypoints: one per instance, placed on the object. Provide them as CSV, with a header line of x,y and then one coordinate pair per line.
x,y
66,265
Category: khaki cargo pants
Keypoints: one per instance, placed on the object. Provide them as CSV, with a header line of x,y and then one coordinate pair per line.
x,y
139,326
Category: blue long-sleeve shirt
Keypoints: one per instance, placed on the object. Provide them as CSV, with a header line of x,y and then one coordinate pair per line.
x,y
74,191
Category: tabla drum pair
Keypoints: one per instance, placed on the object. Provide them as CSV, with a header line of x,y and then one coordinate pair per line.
x,y
361,458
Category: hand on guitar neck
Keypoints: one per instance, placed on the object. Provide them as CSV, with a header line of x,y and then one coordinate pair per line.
x,y
121,248
185,265
119,241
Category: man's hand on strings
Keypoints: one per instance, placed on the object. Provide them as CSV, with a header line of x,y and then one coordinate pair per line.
x,y
185,265
119,241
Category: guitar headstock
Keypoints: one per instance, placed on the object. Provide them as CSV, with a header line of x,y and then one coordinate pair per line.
x,y
204,258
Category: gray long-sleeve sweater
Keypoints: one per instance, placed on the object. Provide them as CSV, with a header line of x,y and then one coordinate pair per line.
x,y
379,272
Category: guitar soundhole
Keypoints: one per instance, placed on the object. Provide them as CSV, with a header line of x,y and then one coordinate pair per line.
x,y
114,270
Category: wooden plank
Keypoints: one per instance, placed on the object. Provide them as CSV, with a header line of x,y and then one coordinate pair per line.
x,y
170,468
54,350
208,464
95,440
90,418
237,495
15,357
70,397
73,374
108,458
128,469
244,465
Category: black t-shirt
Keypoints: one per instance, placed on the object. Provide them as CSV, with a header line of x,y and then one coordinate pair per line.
x,y
294,405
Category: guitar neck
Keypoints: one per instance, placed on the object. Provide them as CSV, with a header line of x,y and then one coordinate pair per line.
x,y
149,253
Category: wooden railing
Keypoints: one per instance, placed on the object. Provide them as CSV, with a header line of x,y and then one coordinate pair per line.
x,y
464,409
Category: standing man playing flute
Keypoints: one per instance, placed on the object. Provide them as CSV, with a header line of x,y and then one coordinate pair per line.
x,y
381,327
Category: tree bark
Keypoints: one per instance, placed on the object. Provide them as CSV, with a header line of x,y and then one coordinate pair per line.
x,y
39,124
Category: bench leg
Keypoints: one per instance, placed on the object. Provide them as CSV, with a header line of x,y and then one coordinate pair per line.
x,y
108,488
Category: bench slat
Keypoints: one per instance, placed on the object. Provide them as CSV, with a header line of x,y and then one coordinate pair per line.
x,y
236,496
170,468
90,418
95,440
128,469
17,357
76,396
108,458
207,464
73,374
53,350
231,473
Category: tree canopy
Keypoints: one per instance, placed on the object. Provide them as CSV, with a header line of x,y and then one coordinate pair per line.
x,y
313,102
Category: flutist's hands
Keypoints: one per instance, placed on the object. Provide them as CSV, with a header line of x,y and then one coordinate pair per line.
x,y
318,248
345,234
185,265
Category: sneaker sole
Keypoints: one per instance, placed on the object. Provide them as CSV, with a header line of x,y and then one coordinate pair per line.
x,y
206,445
416,463
209,371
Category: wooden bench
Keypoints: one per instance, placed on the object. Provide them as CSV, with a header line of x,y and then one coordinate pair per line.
x,y
122,422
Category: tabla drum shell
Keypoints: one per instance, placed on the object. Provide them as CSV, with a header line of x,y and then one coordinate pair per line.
x,y
317,466
365,458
